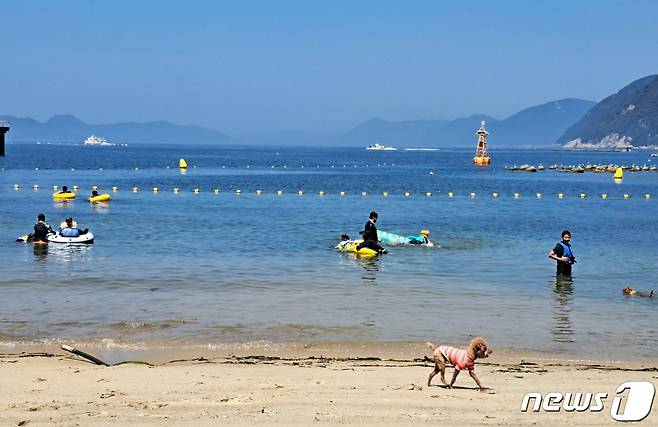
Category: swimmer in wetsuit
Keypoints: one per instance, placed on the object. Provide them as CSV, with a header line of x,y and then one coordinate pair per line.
x,y
369,233
41,230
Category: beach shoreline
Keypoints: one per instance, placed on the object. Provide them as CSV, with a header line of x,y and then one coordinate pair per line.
x,y
373,385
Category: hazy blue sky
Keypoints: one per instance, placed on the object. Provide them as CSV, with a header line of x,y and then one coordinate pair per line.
x,y
251,66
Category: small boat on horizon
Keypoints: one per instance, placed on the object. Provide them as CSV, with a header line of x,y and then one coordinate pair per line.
x,y
96,140
380,148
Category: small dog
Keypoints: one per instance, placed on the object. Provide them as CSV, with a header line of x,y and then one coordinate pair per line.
x,y
459,358
630,291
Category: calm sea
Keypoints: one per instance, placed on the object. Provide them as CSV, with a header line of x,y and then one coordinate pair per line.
x,y
189,269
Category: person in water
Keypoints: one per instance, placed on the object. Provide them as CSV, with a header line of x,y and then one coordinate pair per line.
x,y
369,234
65,189
563,254
630,291
41,229
94,193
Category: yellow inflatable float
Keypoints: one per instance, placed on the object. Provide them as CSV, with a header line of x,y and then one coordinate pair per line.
x,y
350,246
64,196
100,198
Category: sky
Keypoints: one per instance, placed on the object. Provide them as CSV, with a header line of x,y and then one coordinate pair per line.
x,y
246,67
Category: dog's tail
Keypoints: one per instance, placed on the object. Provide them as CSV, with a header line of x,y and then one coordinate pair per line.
x,y
430,345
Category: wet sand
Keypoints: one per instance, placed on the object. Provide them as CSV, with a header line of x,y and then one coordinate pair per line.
x,y
298,384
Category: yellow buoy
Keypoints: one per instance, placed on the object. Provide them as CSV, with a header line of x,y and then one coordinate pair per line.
x,y
604,196
450,194
75,188
35,186
259,192
176,189
583,195
494,194
115,189
385,194
342,193
215,190
538,195
647,196
196,191
560,196
619,173
182,164
321,193
363,193
407,194
300,192
627,196
517,195
135,189
155,189
238,191
428,194
279,193
16,186
472,195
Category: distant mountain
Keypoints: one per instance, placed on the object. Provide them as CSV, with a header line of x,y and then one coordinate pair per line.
x,y
68,128
534,126
538,125
629,117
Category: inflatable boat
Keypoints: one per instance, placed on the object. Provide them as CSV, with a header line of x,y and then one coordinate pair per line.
x,y
100,198
350,246
64,196
86,238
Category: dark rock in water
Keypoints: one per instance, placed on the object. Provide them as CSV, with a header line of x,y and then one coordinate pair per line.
x,y
627,118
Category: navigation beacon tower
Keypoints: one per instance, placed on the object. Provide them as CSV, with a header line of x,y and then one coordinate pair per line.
x,y
481,154
4,128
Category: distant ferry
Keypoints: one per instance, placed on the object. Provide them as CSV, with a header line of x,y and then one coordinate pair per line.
x,y
380,147
96,140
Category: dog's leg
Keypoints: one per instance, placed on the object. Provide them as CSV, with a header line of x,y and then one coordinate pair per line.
x,y
475,377
454,378
434,372
441,360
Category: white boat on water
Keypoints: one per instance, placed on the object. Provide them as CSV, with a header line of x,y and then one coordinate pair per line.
x,y
96,140
381,148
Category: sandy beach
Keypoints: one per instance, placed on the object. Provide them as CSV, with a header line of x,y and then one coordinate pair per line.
x,y
298,385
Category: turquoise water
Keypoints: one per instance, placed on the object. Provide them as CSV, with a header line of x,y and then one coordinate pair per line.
x,y
211,268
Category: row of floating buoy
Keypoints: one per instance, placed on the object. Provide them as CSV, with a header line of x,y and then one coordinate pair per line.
x,y
259,192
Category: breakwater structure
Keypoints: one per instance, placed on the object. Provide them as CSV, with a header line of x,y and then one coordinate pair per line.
x,y
4,128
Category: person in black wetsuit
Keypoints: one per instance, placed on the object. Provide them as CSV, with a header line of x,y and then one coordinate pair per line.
x,y
65,189
41,229
563,254
369,234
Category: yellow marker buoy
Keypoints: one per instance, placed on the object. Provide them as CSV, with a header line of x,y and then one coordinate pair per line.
x,y
238,191
279,193
259,192
494,194
196,191
517,195
363,193
604,196
215,190
135,189
342,193
321,193
35,186
471,195
176,189
407,194
300,192
627,196
75,187
16,186
582,195
385,194
619,173
155,189
450,194
538,195
428,194
560,196
182,164
647,196
115,189
55,187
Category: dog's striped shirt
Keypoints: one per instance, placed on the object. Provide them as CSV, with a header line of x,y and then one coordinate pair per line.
x,y
458,357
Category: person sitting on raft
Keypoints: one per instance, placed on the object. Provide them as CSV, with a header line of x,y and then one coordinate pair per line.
x,y
369,234
65,189
70,229
41,229
94,193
